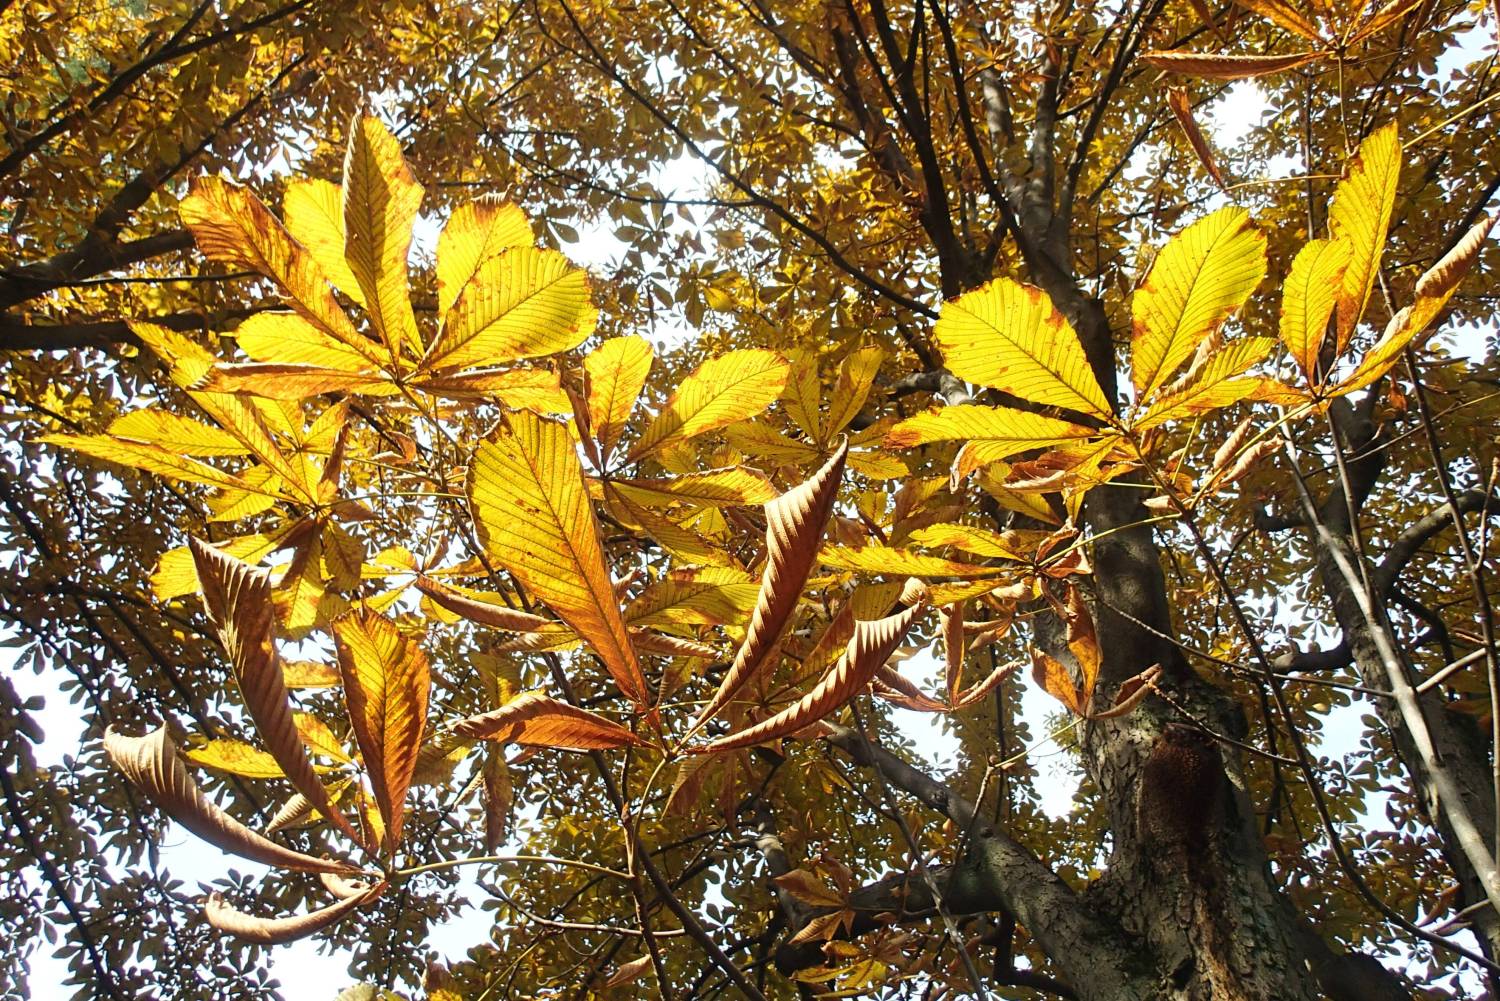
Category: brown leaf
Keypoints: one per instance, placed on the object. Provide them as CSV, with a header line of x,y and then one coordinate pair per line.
x,y
486,613
892,686
1132,692
386,682
532,718
972,695
795,523
952,618
274,931
238,599
1217,66
872,645
498,797
629,973
152,765
1182,107
1053,676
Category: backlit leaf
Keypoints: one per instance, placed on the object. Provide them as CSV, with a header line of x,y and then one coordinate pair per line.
x,y
1200,277
313,210
1311,291
1009,336
474,233
1360,216
535,519
381,200
534,719
615,373
721,391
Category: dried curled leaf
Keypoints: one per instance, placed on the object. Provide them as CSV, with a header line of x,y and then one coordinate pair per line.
x,y
486,613
795,523
152,765
533,718
873,643
238,599
274,931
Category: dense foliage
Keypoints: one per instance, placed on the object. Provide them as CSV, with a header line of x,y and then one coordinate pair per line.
x,y
372,541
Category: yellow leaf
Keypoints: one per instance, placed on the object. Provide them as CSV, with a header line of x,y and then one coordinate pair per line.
x,y
903,562
309,674
533,718
316,735
1360,217
1200,277
856,377
979,541
518,388
1002,431
534,518
314,212
182,435
476,232
277,381
288,338
175,574
680,541
615,372
386,682
1312,290
992,481
754,438
1220,383
731,487
224,754
520,304
723,390
231,225
1009,336
381,200
803,394
154,459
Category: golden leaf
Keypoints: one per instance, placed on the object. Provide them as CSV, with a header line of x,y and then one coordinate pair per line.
x,y
723,390
381,200
520,304
289,339
313,210
1200,277
534,517
224,754
615,373
182,435
1224,66
1009,336
475,233
1360,217
1312,290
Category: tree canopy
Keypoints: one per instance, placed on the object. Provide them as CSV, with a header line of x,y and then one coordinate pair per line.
x,y
420,573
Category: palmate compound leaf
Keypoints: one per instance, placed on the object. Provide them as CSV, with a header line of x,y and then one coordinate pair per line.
x,y
1360,217
386,682
871,646
534,719
1200,277
152,765
534,518
795,523
722,391
274,931
381,200
238,599
1009,336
